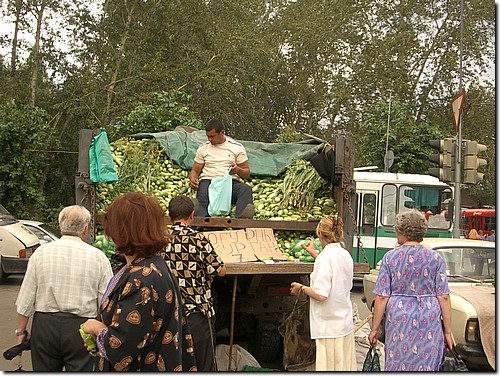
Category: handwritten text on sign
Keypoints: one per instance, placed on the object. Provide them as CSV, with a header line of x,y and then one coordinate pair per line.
x,y
241,245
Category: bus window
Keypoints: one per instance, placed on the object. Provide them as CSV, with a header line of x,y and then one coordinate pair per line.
x,y
368,219
489,224
388,206
429,200
420,198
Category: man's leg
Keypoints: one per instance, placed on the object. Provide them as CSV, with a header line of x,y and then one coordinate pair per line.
x,y
56,344
203,340
242,195
75,356
202,196
45,349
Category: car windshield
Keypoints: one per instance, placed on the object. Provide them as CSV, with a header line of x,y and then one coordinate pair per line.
x,y
475,263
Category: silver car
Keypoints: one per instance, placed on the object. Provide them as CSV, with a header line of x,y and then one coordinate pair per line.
x,y
470,265
43,231
17,244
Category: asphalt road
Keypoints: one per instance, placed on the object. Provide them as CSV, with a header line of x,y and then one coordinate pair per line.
x,y
9,290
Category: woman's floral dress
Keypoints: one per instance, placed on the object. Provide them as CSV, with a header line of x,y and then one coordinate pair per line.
x,y
412,276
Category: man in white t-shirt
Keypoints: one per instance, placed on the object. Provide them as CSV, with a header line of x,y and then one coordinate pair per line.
x,y
213,159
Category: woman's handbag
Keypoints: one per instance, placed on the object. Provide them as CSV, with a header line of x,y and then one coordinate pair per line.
x,y
453,365
372,361
299,350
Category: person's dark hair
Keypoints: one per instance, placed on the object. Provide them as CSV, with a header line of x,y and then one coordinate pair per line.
x,y
180,207
215,124
332,229
136,224
411,224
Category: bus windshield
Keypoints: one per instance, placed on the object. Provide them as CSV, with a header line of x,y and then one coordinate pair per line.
x,y
431,201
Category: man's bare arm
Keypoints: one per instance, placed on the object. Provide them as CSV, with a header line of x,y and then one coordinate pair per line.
x,y
194,174
242,169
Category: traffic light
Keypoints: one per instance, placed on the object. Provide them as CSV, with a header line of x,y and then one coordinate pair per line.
x,y
445,159
472,162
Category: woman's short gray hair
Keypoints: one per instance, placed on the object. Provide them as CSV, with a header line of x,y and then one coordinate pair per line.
x,y
411,224
73,220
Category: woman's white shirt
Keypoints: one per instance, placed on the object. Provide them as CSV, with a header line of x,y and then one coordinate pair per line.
x,y
332,277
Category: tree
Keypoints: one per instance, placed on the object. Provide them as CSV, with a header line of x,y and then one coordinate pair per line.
x,y
163,112
262,67
477,118
25,139
408,139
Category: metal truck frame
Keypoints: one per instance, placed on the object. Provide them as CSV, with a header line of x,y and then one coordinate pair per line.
x,y
254,297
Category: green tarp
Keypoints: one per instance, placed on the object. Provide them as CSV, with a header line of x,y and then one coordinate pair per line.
x,y
265,159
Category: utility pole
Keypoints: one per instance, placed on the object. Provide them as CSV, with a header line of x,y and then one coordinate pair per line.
x,y
457,226
386,164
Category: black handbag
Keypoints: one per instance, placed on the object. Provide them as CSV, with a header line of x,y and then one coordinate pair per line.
x,y
324,163
453,364
372,361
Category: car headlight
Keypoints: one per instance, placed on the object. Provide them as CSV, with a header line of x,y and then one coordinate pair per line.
x,y
472,330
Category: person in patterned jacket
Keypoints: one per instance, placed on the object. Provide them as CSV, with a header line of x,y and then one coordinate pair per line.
x,y
194,262
143,325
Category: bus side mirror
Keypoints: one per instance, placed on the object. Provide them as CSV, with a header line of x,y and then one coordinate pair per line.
x,y
451,210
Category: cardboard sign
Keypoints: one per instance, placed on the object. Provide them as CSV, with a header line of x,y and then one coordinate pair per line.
x,y
231,246
264,243
240,245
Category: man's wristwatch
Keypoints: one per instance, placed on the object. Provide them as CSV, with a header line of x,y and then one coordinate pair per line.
x,y
21,333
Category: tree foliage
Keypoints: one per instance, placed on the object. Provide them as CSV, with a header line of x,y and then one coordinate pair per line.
x,y
163,112
408,139
25,139
263,67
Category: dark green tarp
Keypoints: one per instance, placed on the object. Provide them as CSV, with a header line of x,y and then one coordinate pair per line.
x,y
265,159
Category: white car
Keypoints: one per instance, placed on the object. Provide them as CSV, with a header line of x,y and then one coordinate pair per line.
x,y
470,265
17,244
43,231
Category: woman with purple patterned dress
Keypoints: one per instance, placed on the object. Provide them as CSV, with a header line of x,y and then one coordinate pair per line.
x,y
412,290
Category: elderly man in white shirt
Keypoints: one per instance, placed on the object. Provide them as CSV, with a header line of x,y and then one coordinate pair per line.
x,y
62,288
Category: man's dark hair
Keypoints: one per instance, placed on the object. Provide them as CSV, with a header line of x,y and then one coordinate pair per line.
x,y
180,207
215,124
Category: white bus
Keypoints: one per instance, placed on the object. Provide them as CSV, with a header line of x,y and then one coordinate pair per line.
x,y
380,196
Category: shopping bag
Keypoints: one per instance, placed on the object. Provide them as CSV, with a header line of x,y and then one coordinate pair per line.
x,y
453,365
324,163
372,361
299,350
220,191
102,167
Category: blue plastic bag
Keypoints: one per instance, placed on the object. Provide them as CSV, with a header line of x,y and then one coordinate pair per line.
x,y
220,191
102,167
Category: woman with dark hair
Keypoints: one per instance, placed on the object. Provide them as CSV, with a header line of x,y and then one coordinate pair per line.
x,y
143,324
412,290
330,309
